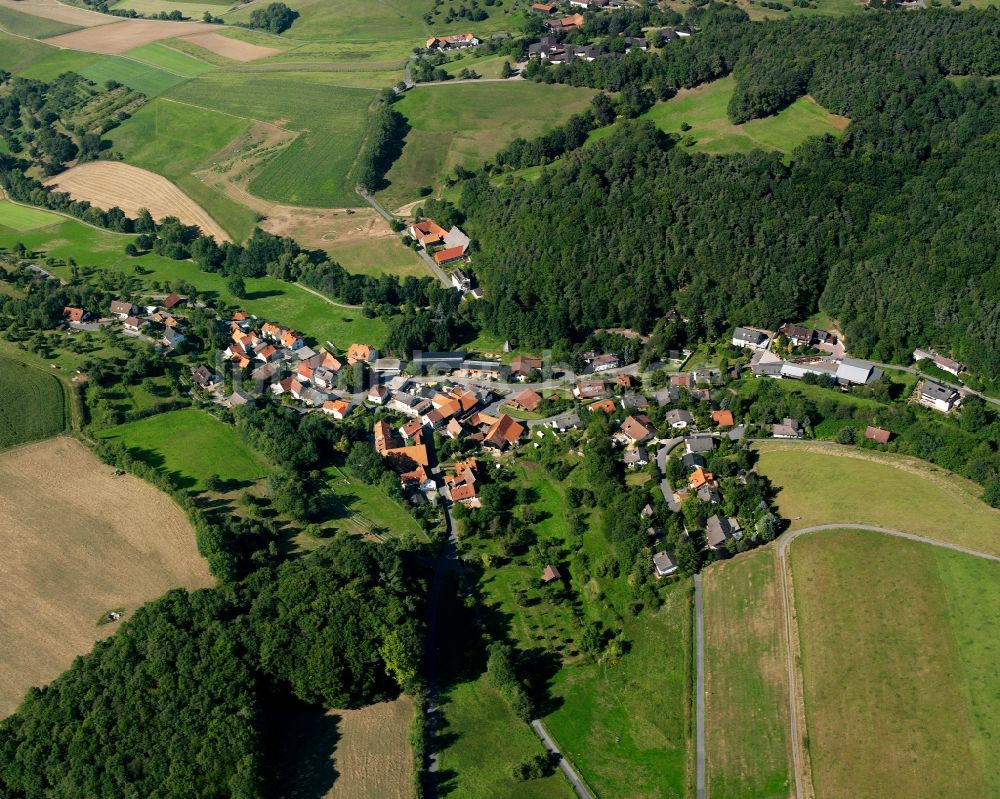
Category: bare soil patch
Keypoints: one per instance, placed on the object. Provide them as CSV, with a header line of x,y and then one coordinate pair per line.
x,y
50,9
110,183
120,37
231,48
347,754
77,543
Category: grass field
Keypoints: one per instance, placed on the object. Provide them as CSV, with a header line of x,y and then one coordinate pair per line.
x,y
267,297
899,658
171,60
150,80
17,54
746,690
315,169
825,485
174,140
31,404
465,124
377,256
31,26
191,445
626,726
345,754
356,498
78,542
22,218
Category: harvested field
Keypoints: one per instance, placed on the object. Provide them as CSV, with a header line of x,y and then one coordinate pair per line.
x,y
120,37
347,754
231,48
50,9
110,183
78,542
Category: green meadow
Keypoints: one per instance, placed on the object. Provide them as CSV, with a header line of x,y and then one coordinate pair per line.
x,y
31,403
315,169
174,140
17,54
267,297
192,445
160,55
32,26
465,124
22,218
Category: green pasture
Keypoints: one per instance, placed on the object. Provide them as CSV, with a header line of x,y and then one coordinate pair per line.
x,y
627,726
31,403
315,169
900,644
21,218
746,686
830,484
174,140
60,61
191,445
267,297
385,256
32,27
18,54
146,78
167,58
465,124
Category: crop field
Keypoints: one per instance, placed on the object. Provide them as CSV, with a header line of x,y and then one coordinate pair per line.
x,y
191,445
127,34
746,687
59,61
627,726
174,140
165,57
31,26
900,646
78,542
17,54
345,754
465,124
230,48
59,12
106,184
314,170
31,404
824,484
23,218
151,81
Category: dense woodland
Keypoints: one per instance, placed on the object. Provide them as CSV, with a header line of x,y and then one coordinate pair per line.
x,y
884,228
199,673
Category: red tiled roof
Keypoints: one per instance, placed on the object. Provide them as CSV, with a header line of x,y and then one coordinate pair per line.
x,y
450,254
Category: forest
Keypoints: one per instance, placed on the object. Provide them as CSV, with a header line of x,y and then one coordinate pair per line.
x,y
882,228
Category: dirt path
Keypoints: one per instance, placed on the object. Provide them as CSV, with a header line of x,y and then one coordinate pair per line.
x,y
699,723
801,767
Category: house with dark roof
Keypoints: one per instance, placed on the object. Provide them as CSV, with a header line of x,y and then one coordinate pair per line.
x,y
679,419
699,444
789,428
750,338
204,376
636,458
664,564
932,394
719,529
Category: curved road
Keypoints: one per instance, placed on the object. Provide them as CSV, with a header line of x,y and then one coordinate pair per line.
x,y
793,675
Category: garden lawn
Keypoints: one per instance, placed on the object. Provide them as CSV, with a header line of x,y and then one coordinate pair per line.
x,y
192,446
829,484
174,140
627,726
900,645
466,124
746,687
316,168
32,405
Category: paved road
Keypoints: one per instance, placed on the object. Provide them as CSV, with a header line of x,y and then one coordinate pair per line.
x,y
564,764
793,675
699,706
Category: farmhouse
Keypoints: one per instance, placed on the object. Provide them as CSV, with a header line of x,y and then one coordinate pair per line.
x,y
750,338
122,309
436,362
453,42
527,400
664,564
474,368
936,395
449,255
427,232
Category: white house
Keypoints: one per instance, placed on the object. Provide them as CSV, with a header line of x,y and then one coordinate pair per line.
x,y
938,396
751,338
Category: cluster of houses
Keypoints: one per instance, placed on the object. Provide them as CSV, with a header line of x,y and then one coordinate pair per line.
x,y
457,41
941,362
446,247
161,324
556,52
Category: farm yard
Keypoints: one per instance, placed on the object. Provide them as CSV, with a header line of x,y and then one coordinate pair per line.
x,y
96,543
746,691
899,658
32,404
106,184
345,754
831,484
192,446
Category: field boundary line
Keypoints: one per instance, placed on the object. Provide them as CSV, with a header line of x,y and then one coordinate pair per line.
x,y
804,789
699,691
227,113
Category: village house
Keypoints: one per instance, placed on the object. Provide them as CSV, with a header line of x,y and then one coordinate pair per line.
x,y
550,574
338,408
938,396
589,390
378,395
947,364
699,444
521,367
692,461
122,309
460,281
544,8
664,564
449,255
204,376
666,396
133,324
700,477
74,315
526,400
361,353
503,433
604,362
171,301
570,23
719,529
877,434
789,428
427,233
638,429
564,421
723,418
604,406
750,338
679,419
636,458
634,402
